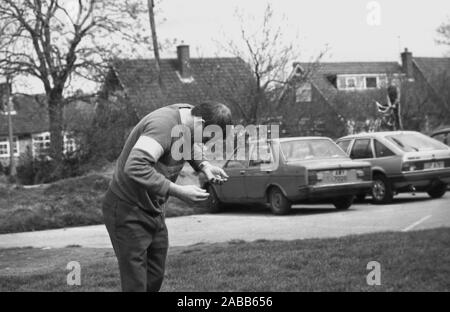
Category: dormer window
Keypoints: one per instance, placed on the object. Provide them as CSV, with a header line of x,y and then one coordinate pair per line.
x,y
351,83
371,82
303,93
360,81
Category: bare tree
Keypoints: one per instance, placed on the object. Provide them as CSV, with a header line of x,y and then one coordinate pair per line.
x,y
443,79
270,58
443,32
57,41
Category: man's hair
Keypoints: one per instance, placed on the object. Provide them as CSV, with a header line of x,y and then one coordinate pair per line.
x,y
213,113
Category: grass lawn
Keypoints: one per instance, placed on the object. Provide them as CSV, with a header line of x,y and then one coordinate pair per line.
x,y
70,202
413,261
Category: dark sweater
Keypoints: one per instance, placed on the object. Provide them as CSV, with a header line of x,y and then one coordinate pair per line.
x,y
145,167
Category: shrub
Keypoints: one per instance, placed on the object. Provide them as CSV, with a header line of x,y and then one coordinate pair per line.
x,y
45,170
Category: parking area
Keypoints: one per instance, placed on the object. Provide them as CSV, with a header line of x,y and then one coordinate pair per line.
x,y
406,213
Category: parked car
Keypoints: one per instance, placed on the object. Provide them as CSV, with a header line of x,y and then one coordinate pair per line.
x,y
442,135
288,171
402,161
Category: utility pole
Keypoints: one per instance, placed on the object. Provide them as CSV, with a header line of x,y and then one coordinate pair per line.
x,y
151,4
12,163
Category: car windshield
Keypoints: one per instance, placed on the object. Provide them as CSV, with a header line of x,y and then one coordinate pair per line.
x,y
310,149
415,142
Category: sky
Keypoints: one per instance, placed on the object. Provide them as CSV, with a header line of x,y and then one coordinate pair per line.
x,y
350,30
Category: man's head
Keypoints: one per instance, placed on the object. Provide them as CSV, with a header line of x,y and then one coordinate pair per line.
x,y
213,113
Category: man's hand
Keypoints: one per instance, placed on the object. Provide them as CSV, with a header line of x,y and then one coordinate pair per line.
x,y
188,193
214,174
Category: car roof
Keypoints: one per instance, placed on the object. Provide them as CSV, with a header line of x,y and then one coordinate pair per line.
x,y
293,139
380,134
440,131
287,139
302,138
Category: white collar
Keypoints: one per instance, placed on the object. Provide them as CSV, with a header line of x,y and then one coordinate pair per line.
x,y
185,115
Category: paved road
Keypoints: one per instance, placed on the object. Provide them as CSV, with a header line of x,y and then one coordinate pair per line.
x,y
406,213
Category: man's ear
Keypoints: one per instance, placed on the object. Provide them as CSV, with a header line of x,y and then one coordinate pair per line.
x,y
198,121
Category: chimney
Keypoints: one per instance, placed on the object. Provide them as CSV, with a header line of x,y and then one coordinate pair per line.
x,y
407,63
183,61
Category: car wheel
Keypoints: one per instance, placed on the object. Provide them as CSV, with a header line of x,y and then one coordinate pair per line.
x,y
381,190
438,190
344,202
214,205
279,204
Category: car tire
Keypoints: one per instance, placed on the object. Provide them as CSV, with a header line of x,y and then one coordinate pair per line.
x,y
279,204
382,192
438,190
213,203
344,202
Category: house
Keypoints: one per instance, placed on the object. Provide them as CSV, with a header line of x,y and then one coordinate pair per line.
x,y
31,130
336,98
182,80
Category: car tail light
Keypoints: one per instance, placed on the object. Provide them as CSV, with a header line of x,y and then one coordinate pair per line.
x,y
410,166
314,177
364,173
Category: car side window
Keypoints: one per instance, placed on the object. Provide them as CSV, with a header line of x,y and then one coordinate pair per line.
x,y
238,164
443,137
344,145
261,154
361,149
381,150
235,162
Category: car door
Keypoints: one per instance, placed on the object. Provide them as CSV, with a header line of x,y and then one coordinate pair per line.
x,y
386,159
234,189
259,172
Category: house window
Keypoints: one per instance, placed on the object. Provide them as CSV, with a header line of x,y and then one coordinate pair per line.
x,y
371,82
41,143
70,144
4,147
303,93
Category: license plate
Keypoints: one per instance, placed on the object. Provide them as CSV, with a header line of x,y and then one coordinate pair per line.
x,y
340,179
434,165
339,176
340,173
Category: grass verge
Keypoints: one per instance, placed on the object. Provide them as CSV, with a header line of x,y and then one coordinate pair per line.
x,y
413,261
68,203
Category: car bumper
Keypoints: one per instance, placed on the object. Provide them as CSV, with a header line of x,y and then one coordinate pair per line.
x,y
421,179
335,190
